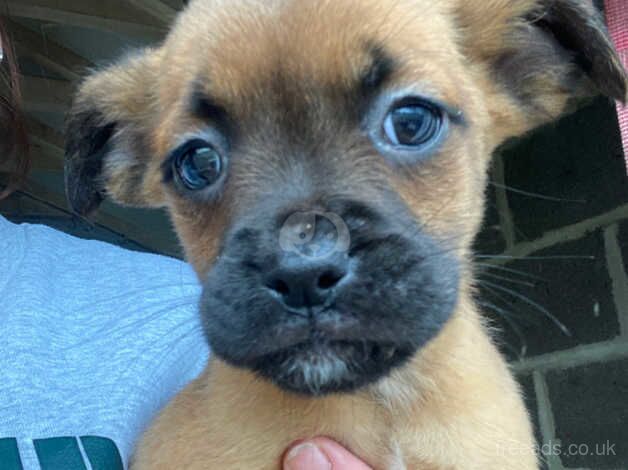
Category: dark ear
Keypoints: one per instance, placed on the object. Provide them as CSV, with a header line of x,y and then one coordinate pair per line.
x,y
540,55
108,137
578,27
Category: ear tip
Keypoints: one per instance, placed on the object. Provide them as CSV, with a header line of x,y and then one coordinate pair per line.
x,y
83,199
613,82
84,206
621,94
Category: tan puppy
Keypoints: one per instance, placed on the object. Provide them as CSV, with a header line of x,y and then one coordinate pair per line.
x,y
324,163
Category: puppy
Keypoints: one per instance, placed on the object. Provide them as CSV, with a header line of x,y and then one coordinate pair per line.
x,y
324,164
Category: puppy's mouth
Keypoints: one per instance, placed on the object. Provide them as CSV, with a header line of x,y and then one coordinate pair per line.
x,y
328,353
320,366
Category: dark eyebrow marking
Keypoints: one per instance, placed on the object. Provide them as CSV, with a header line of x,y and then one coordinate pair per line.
x,y
380,68
204,107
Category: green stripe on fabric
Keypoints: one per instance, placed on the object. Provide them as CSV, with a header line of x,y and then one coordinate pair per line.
x,y
102,453
10,455
60,453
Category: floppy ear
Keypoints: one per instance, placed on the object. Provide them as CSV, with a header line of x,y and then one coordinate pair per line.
x,y
541,54
107,137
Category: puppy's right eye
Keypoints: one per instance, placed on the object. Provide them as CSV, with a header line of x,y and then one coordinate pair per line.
x,y
197,165
413,125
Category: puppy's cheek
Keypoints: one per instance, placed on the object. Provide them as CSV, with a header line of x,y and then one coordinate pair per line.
x,y
227,319
404,298
240,321
446,193
200,230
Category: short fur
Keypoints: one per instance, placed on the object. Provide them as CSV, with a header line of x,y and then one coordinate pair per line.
x,y
289,86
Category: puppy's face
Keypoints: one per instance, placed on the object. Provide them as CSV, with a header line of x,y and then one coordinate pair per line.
x,y
324,162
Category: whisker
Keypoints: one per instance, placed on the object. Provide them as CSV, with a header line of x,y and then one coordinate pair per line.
x,y
512,271
534,304
175,341
520,316
178,339
512,324
507,279
537,258
536,195
144,290
157,314
497,309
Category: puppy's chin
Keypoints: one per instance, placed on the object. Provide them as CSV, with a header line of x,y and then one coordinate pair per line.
x,y
319,367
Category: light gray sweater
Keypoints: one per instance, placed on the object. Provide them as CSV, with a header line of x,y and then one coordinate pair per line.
x,y
94,340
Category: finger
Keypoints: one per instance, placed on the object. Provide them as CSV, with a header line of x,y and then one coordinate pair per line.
x,y
322,454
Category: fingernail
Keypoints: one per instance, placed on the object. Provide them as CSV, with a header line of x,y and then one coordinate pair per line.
x,y
307,457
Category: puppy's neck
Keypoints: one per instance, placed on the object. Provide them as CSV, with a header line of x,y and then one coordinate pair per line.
x,y
433,376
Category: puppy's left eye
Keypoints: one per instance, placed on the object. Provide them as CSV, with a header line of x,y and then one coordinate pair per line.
x,y
413,125
197,165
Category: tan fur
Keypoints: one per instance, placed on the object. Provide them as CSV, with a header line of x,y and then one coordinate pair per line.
x,y
456,405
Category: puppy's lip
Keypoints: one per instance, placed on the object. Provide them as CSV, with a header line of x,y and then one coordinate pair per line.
x,y
313,347
315,329
324,332
322,339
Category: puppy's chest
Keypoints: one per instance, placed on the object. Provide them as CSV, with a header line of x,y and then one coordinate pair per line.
x,y
367,429
397,456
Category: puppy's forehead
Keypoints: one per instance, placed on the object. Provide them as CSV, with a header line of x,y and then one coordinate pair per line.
x,y
233,47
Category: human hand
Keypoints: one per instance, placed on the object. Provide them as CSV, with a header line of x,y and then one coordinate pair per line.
x,y
321,454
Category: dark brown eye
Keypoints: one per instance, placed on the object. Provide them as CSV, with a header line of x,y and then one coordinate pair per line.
x,y
198,165
413,125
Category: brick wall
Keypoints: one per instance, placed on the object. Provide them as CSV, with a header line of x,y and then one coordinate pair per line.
x,y
554,256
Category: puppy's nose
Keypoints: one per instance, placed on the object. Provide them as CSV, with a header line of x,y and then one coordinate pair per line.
x,y
301,283
312,261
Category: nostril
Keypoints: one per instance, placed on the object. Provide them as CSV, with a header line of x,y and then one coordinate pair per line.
x,y
329,279
301,287
279,286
